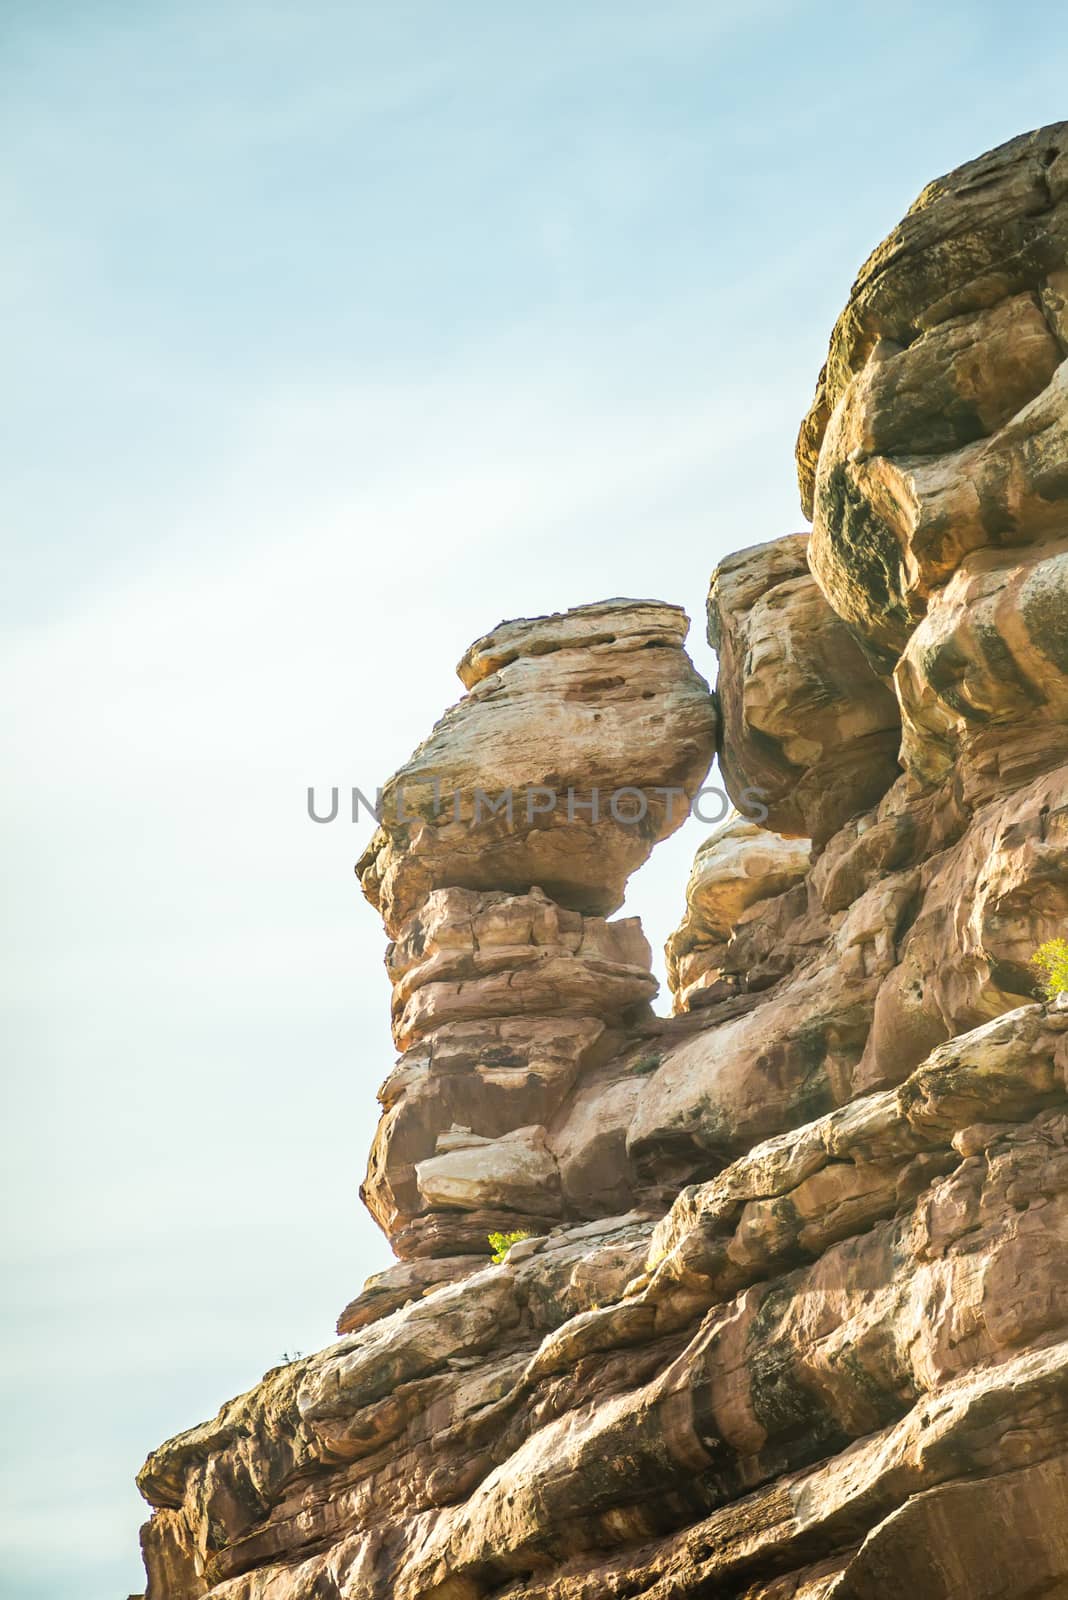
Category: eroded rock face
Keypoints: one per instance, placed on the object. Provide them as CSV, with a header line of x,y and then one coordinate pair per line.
x,y
464,956
808,731
795,1319
983,679
600,698
736,868
790,1321
508,989
484,1077
940,423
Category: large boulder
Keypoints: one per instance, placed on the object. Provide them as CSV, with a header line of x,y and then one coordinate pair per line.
x,y
596,725
736,868
809,734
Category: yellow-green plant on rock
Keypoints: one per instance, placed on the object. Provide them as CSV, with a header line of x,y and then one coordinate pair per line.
x,y
1051,959
501,1243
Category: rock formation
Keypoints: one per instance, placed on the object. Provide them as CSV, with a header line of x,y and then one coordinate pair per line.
x,y
579,744
809,730
515,785
790,1319
737,867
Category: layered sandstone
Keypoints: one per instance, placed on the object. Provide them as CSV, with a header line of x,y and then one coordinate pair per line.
x,y
562,714
791,1319
587,732
939,422
736,868
809,732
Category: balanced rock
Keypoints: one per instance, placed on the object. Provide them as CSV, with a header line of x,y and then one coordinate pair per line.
x,y
789,1319
579,745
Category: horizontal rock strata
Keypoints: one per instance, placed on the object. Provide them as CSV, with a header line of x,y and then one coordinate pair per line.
x,y
788,1319
877,1295
809,733
507,1005
736,868
602,698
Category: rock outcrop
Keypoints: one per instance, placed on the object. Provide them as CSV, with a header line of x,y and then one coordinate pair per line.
x,y
809,732
587,733
789,1319
940,422
736,868
579,742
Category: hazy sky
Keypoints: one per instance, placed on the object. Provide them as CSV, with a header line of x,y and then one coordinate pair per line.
x,y
334,334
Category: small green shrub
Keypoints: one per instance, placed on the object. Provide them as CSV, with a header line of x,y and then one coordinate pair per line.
x,y
501,1243
1051,959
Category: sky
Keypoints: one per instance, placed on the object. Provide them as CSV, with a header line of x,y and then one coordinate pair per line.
x,y
334,334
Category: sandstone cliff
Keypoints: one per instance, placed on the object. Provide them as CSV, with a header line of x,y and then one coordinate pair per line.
x,y
790,1321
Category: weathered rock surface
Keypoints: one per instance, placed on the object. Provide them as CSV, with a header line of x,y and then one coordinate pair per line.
x,y
465,955
562,713
790,1321
500,1003
983,679
940,423
738,866
808,731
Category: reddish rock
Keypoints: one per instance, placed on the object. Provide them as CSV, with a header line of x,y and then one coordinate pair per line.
x,y
602,698
939,421
807,731
790,1319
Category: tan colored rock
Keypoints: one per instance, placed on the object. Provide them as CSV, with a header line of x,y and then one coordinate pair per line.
x,y
788,1058
735,868
791,1319
910,1334
858,855
983,907
588,1136
776,1379
808,731
600,698
939,423
505,985
803,1190
499,1002
386,1292
983,680
466,955
1006,1426
514,1173
487,1075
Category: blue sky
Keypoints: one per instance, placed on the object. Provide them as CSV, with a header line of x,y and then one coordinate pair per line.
x,y
335,334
